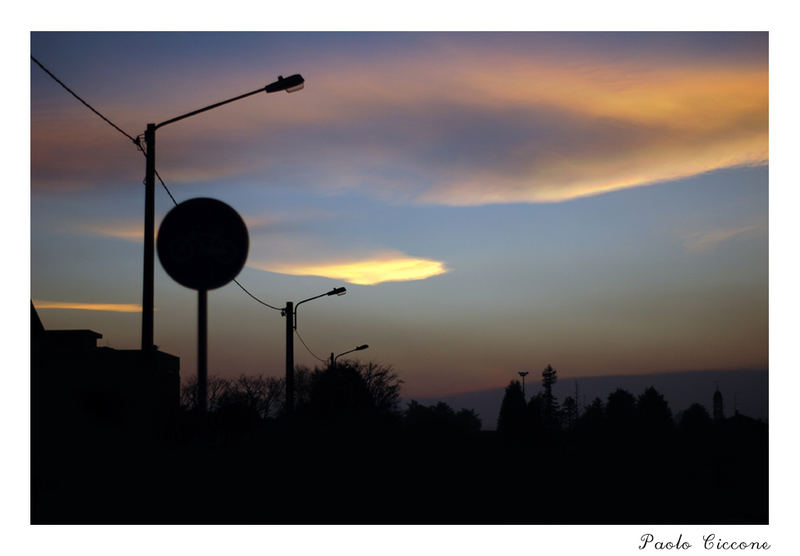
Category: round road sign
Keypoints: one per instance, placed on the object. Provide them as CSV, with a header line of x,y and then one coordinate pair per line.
x,y
202,243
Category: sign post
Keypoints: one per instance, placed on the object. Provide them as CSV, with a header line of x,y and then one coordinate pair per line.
x,y
202,244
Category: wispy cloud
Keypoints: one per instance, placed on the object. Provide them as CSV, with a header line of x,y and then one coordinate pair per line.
x,y
376,269
541,125
129,231
601,127
704,241
273,222
69,305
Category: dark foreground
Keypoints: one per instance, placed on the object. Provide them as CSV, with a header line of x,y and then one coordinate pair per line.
x,y
274,473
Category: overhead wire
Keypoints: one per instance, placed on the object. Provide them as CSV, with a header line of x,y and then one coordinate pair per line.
x,y
317,357
138,142
70,91
254,297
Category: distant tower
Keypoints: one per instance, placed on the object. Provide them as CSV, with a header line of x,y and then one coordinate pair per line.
x,y
719,414
523,374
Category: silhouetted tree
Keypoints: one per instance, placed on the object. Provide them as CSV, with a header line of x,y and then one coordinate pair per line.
x,y
217,388
535,414
302,385
467,420
338,393
350,392
258,395
511,420
654,414
569,412
188,399
621,412
695,421
382,383
417,416
550,404
592,420
440,419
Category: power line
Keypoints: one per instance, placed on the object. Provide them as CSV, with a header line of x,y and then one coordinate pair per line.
x,y
164,185
70,91
245,290
234,280
308,348
138,142
135,140
254,297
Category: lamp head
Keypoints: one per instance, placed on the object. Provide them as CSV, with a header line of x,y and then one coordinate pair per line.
x,y
289,84
338,291
359,348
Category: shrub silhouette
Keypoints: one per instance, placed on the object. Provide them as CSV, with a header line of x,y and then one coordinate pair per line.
x,y
653,412
511,420
350,393
440,419
549,402
695,420
620,413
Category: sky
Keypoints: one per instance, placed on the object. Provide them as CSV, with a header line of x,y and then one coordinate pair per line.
x,y
493,202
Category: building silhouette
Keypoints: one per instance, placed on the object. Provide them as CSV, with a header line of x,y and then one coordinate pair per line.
x,y
719,413
80,389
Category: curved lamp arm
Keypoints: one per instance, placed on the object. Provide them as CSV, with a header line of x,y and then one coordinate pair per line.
x,y
289,84
334,291
359,348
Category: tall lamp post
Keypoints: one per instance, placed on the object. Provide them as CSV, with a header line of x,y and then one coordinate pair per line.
x,y
290,312
523,374
289,84
333,359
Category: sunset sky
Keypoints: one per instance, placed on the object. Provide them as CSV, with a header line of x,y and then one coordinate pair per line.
x,y
493,202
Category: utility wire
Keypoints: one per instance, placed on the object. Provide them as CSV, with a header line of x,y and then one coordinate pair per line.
x,y
138,142
70,91
245,290
254,297
176,203
308,348
164,185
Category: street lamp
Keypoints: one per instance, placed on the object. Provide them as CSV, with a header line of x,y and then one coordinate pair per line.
x,y
523,374
289,84
290,312
333,359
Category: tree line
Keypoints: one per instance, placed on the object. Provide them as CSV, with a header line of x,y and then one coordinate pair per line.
x,y
349,395
621,413
352,452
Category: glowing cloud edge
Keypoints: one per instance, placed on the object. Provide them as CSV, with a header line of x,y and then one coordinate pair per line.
x,y
366,272
68,305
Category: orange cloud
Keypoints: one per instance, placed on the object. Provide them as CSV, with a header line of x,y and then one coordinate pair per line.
x,y
636,126
587,173
614,122
703,241
130,231
111,307
390,267
632,124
